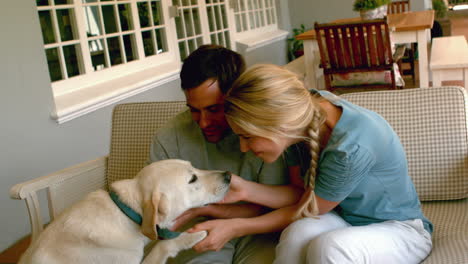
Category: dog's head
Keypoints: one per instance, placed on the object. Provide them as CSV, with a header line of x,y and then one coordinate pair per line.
x,y
170,187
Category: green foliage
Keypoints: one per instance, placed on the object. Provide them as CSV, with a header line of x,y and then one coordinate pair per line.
x,y
296,47
440,8
368,4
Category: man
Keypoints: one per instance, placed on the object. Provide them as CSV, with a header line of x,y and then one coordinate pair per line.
x,y
202,136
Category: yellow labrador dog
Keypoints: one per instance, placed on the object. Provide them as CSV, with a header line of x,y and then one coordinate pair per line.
x,y
114,227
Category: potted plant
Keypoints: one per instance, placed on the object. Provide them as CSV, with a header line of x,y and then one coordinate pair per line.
x,y
371,9
295,46
441,20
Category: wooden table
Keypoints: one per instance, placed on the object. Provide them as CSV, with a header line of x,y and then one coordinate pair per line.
x,y
409,27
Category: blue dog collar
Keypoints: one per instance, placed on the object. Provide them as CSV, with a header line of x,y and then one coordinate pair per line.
x,y
163,233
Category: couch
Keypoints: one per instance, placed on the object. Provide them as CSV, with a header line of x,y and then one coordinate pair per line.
x,y
431,122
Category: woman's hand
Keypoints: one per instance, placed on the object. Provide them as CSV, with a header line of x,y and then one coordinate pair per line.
x,y
237,191
220,231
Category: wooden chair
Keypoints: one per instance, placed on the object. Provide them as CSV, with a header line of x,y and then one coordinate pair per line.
x,y
357,47
396,7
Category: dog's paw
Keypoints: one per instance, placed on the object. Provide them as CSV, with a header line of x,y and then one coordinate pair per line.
x,y
188,240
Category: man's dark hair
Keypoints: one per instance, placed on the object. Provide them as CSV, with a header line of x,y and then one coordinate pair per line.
x,y
212,61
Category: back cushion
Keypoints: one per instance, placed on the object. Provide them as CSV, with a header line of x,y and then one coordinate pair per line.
x,y
133,128
432,126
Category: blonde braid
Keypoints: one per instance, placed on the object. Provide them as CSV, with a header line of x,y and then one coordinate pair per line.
x,y
310,208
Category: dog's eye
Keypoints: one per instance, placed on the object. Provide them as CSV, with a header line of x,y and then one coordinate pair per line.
x,y
193,179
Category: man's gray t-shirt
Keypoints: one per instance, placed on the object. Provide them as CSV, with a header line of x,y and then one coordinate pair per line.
x,y
182,138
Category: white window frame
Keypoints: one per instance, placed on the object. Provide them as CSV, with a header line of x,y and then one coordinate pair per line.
x,y
86,93
252,39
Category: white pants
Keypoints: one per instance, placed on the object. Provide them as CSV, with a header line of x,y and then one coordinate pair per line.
x,y
330,239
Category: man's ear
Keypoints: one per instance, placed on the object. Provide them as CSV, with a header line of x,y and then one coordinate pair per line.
x,y
150,216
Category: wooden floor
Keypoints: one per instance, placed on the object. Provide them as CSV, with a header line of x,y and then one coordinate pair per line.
x,y
459,20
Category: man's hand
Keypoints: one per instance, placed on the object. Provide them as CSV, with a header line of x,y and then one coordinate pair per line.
x,y
220,231
189,215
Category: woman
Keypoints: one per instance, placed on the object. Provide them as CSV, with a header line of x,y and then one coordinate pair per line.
x,y
361,203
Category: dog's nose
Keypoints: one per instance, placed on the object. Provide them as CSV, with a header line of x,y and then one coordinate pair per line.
x,y
227,176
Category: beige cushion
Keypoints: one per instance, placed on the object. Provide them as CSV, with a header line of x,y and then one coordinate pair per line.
x,y
450,237
432,125
133,127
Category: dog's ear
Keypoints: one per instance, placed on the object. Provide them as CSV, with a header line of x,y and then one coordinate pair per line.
x,y
150,216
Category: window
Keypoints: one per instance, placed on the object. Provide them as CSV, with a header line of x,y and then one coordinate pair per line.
x,y
200,22
254,14
100,47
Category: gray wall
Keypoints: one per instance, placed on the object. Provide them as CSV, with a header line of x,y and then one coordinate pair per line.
x,y
31,143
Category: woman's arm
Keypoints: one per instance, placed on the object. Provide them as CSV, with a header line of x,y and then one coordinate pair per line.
x,y
220,231
272,196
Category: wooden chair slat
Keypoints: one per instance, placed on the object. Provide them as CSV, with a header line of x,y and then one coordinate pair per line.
x,y
380,45
331,52
355,47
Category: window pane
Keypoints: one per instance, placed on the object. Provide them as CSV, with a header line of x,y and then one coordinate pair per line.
x,y
238,23
90,1
108,14
199,41
211,21
130,47
244,22
188,22
220,39
213,39
148,43
143,14
64,22
96,48
192,45
125,17
157,16
228,39
42,2
115,54
252,20
71,60
182,51
161,40
93,21
224,17
62,2
54,64
218,19
179,28
196,21
242,5
46,26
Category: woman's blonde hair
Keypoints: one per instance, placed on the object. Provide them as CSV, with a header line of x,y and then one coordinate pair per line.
x,y
272,102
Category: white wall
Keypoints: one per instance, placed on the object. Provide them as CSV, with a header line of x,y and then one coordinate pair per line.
x,y
32,144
